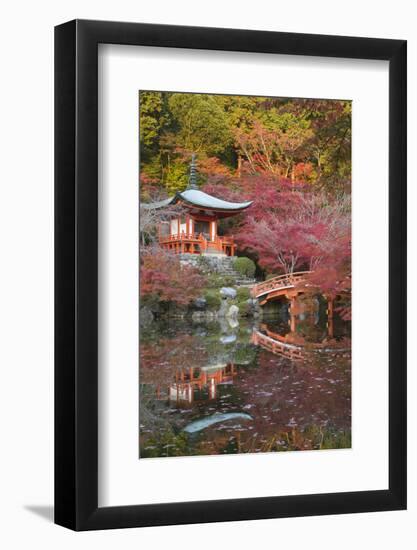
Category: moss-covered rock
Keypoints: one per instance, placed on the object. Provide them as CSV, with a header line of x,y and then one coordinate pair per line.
x,y
244,309
212,298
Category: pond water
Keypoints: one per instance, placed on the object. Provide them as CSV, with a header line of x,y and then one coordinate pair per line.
x,y
215,388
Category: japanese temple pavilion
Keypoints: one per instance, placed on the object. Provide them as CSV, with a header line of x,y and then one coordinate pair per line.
x,y
195,231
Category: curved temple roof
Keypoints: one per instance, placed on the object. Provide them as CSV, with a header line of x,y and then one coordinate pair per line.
x,y
194,197
198,198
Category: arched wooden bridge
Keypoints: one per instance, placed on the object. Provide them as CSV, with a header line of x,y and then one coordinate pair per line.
x,y
283,285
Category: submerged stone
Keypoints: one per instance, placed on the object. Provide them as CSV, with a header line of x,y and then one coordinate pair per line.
x,y
203,423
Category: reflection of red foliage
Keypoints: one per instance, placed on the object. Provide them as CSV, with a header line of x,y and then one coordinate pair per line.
x,y
283,398
163,275
161,358
283,394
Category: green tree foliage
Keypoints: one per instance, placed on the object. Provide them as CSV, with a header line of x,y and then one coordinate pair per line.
x,y
200,124
152,119
307,141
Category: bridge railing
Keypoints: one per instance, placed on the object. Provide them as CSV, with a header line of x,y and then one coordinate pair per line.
x,y
299,352
281,281
276,347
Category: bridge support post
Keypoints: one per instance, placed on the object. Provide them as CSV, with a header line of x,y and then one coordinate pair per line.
x,y
330,313
330,308
292,310
330,327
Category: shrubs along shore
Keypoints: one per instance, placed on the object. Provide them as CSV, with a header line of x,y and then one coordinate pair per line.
x,y
226,293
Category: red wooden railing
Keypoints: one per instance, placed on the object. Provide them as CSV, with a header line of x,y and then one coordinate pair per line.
x,y
196,244
277,348
277,345
281,282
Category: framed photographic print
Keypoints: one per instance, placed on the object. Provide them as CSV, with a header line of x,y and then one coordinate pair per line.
x,y
230,275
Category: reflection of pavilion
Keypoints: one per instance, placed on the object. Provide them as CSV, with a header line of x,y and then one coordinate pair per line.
x,y
194,385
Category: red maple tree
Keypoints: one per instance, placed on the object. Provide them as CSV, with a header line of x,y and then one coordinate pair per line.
x,y
163,275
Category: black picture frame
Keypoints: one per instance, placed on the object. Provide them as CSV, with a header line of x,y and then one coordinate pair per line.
x,y
76,272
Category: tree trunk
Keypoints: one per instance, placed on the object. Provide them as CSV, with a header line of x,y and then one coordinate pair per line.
x,y
239,166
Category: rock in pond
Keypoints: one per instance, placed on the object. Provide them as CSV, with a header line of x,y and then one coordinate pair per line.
x,y
145,316
228,292
200,303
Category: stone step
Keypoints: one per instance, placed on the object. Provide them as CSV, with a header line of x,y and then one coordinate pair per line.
x,y
223,266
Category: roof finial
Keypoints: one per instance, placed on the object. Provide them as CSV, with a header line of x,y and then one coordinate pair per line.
x,y
192,181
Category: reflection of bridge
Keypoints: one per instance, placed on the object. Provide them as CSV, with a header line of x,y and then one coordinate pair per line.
x,y
276,347
282,345
288,285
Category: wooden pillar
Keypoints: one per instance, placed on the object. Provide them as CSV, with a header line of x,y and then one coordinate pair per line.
x,y
212,389
292,313
330,308
293,324
330,327
330,313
